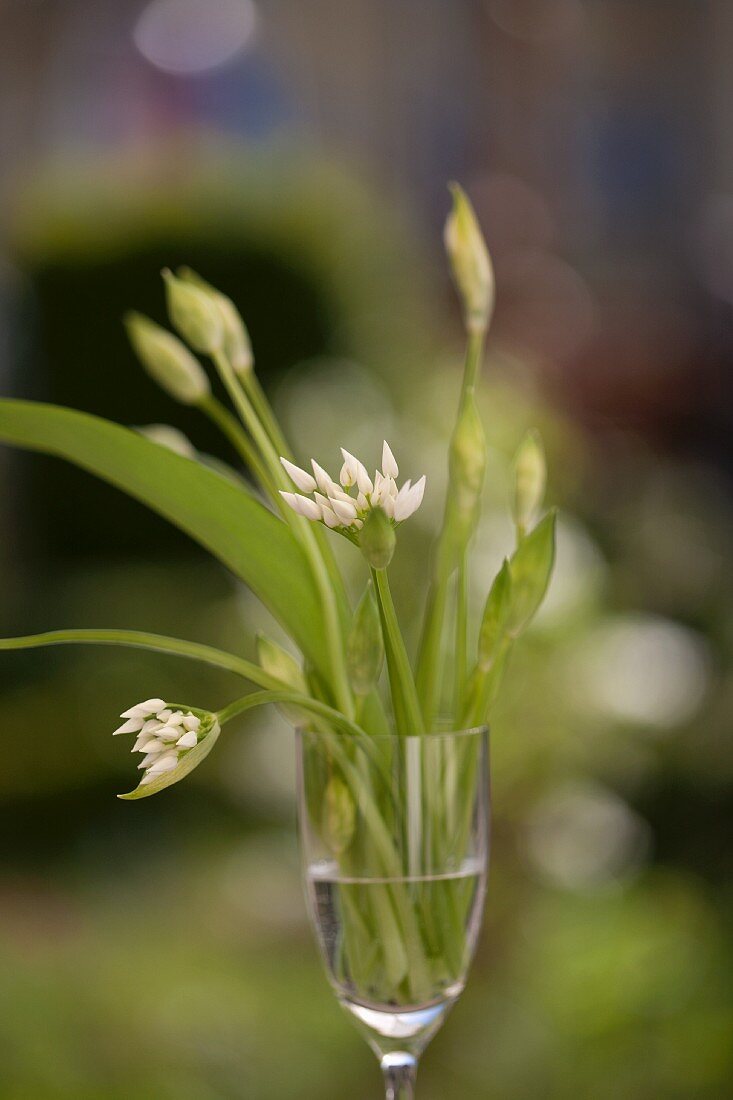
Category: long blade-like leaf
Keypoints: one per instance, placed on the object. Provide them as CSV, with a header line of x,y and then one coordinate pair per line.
x,y
226,519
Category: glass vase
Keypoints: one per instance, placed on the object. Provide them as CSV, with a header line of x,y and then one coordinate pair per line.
x,y
394,837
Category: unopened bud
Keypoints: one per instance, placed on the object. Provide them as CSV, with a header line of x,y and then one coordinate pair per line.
x,y
377,539
364,645
171,438
468,461
237,346
167,360
339,815
280,664
530,474
194,315
470,262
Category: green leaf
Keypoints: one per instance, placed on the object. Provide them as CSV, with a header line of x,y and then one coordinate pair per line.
x,y
498,603
224,518
138,639
531,569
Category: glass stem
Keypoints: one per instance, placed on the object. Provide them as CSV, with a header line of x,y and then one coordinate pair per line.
x,y
400,1070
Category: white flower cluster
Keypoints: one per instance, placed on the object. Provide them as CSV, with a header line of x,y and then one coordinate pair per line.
x,y
163,735
333,504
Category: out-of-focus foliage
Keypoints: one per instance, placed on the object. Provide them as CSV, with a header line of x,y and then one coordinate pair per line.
x,y
161,949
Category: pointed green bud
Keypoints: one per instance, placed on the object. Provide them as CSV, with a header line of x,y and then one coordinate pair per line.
x,y
171,438
167,360
277,662
377,538
496,610
237,346
470,262
339,815
530,475
531,569
467,462
194,315
364,645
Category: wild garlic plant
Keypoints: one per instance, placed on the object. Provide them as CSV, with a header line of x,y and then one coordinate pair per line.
x,y
275,537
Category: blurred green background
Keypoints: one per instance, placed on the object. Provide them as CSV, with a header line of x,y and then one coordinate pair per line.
x,y
297,155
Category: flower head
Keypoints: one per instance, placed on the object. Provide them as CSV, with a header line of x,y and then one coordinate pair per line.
x,y
346,503
167,737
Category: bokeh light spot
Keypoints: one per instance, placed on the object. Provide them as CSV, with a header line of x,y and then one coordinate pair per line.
x,y
186,37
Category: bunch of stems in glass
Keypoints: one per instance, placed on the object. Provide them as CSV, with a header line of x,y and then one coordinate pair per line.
x,y
277,541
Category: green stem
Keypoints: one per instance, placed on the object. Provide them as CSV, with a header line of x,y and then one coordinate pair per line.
x,y
302,528
262,407
137,639
283,695
231,429
406,705
461,659
447,556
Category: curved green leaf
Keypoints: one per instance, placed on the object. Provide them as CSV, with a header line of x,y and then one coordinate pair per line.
x,y
158,643
224,518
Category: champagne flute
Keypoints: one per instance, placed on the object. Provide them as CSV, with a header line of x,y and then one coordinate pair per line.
x,y
394,846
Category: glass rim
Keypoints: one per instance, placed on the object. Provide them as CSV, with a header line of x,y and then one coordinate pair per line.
x,y
433,735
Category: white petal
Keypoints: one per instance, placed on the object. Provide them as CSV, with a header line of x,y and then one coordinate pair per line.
x,y
323,478
388,507
164,763
392,488
302,505
152,725
147,778
389,466
329,516
164,714
142,710
411,501
299,477
363,481
345,512
188,740
350,462
191,722
153,745
362,503
337,494
346,477
132,725
142,738
176,719
149,759
169,733
402,497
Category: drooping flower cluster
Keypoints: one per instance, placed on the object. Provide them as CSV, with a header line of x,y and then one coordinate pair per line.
x,y
164,735
333,504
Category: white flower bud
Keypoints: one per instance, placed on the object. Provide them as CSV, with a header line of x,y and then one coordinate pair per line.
x,y
389,466
323,478
345,512
299,477
302,505
167,360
